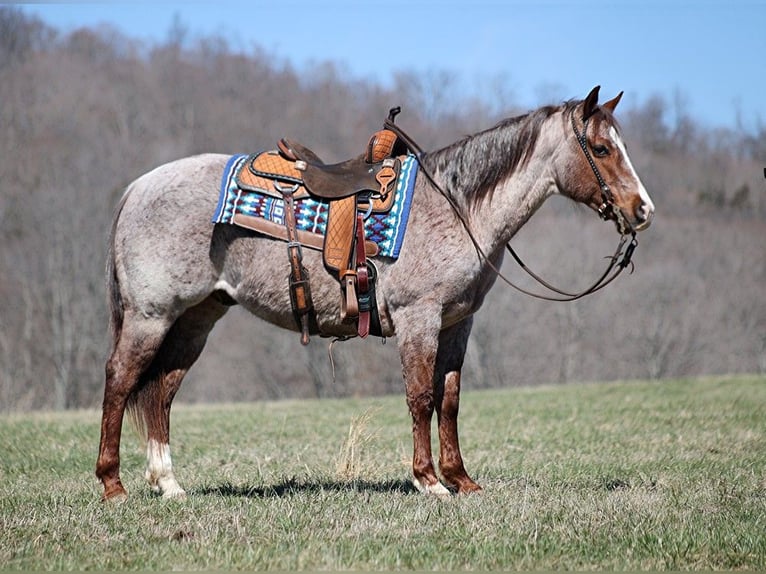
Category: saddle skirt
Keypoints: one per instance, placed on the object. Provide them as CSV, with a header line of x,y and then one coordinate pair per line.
x,y
249,198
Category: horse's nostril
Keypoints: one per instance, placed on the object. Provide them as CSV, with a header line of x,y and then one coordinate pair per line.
x,y
644,216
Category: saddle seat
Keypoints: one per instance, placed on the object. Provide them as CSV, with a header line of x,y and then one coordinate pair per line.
x,y
351,177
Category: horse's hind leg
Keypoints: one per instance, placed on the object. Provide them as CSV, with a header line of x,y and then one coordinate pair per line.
x,y
449,362
135,348
151,405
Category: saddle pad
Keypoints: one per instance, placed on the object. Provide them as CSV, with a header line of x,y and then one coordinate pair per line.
x,y
385,229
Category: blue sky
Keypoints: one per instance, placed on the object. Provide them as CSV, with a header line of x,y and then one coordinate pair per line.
x,y
707,56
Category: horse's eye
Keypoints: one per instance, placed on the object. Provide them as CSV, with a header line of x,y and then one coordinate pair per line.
x,y
600,150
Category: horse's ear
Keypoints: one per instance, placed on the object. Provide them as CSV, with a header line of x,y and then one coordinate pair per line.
x,y
611,104
590,104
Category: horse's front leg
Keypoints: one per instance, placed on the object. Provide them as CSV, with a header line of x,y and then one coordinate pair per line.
x,y
449,362
417,348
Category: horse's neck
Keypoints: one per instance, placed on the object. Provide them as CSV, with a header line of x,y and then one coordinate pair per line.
x,y
513,202
496,217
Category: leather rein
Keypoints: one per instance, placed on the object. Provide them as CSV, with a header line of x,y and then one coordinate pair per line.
x,y
608,210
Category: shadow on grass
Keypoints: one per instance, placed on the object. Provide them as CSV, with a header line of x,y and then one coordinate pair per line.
x,y
293,486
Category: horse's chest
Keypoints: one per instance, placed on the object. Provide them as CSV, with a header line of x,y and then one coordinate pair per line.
x,y
464,296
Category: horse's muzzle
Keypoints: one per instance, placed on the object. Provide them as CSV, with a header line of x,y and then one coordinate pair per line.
x,y
643,216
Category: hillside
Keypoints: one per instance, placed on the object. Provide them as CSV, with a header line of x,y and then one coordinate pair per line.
x,y
85,113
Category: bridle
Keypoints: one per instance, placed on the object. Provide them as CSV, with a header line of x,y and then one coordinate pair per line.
x,y
607,210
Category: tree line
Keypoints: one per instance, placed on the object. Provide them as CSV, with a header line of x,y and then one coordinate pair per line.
x,y
84,113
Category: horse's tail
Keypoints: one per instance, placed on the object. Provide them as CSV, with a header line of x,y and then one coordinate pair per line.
x,y
116,316
113,294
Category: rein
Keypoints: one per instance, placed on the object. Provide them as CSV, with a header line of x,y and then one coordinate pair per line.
x,y
607,210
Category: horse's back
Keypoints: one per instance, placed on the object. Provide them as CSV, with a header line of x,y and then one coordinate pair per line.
x,y
191,179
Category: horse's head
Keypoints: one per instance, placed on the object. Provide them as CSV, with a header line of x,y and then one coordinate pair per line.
x,y
598,171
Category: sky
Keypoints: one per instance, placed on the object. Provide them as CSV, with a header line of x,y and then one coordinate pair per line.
x,y
705,57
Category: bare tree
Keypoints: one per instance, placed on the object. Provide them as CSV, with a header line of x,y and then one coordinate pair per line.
x,y
85,113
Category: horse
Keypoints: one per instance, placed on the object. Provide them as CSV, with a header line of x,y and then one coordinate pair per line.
x,y
172,274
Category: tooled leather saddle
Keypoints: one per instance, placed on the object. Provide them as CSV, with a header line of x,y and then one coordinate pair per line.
x,y
353,189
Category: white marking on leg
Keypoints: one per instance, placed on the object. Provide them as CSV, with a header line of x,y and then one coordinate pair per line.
x,y
159,470
437,489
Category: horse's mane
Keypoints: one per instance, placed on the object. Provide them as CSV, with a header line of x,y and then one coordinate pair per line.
x,y
500,150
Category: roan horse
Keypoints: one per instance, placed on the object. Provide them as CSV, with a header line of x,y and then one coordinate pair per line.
x,y
172,274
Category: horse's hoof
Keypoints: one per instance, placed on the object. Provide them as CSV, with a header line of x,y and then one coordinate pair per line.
x,y
115,496
176,494
169,488
470,488
436,489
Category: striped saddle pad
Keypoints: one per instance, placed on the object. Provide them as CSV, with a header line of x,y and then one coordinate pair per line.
x,y
264,211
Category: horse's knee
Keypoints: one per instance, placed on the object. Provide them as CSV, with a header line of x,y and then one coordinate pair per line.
x,y
421,404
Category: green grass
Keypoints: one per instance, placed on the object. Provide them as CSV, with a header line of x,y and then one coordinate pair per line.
x,y
623,476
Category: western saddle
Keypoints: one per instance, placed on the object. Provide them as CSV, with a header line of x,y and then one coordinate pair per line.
x,y
353,189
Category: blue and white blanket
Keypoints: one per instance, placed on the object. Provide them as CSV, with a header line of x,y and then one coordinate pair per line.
x,y
385,229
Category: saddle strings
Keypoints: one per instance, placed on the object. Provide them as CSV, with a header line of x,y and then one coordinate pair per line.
x,y
341,339
330,355
605,278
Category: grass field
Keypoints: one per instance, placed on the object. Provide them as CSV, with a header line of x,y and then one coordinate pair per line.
x,y
635,475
